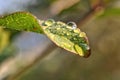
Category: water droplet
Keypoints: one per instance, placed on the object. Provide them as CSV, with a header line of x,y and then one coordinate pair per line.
x,y
58,28
86,46
72,24
75,38
68,34
48,22
82,34
78,50
76,30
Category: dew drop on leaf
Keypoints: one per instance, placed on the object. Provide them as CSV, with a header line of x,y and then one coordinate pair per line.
x,y
79,50
82,34
72,24
48,22
86,46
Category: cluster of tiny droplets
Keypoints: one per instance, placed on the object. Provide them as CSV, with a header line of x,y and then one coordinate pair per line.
x,y
62,30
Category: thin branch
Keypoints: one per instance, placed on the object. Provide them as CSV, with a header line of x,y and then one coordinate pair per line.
x,y
95,8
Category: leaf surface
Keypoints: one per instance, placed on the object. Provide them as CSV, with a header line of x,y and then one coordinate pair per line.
x,y
22,21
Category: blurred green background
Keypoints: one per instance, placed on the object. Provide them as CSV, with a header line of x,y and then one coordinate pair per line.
x,y
21,53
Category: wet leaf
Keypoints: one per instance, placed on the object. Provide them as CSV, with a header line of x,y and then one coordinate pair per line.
x,y
67,37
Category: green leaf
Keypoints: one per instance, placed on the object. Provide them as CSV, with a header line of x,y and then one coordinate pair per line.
x,y
67,36
22,21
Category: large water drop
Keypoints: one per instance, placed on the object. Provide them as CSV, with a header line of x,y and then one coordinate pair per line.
x,y
72,24
48,22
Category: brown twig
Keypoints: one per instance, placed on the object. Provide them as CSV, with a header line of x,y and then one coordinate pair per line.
x,y
95,8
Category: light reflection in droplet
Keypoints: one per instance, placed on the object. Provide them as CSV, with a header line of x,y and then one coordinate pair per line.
x,y
72,24
48,22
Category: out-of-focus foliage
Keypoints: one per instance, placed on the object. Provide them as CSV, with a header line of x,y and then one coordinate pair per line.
x,y
74,12
4,39
6,50
111,12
